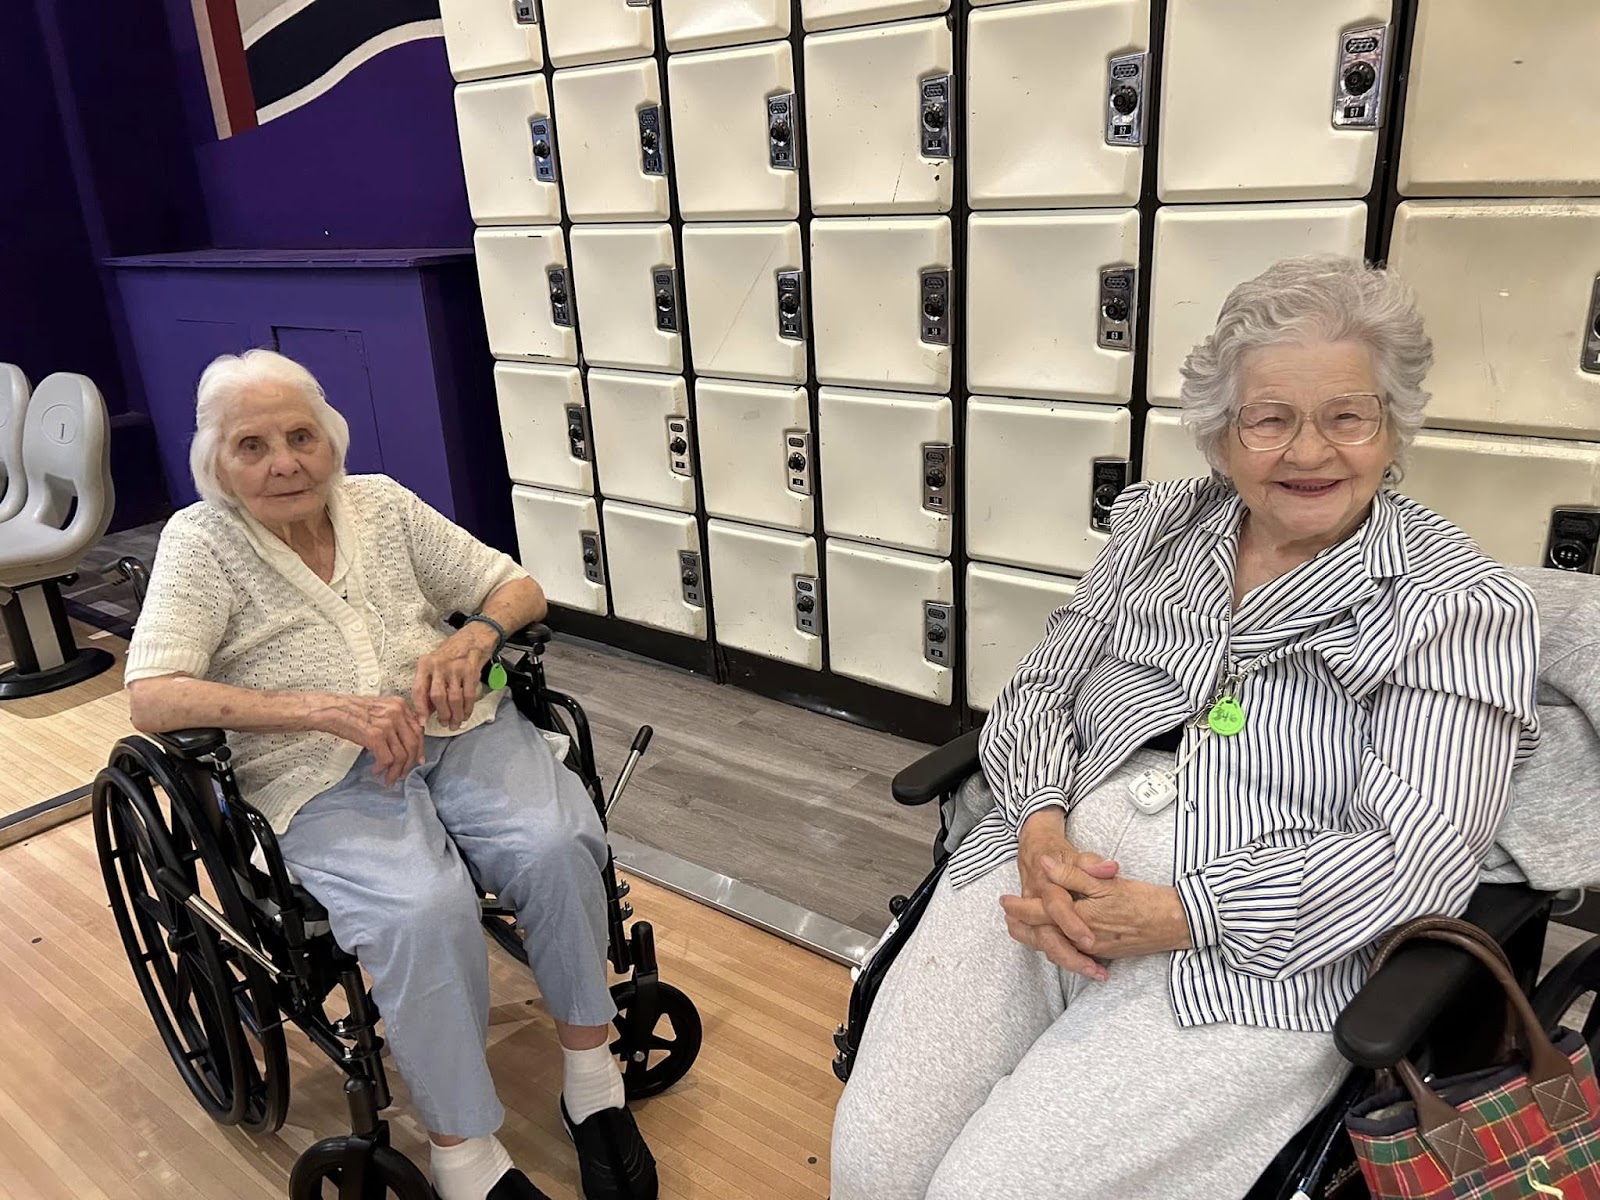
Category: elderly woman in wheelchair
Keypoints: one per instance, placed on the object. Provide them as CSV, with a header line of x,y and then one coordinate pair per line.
x,y
1278,718
300,609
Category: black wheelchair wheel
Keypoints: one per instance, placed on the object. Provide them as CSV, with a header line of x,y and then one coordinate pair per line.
x,y
673,1041
319,1174
1570,980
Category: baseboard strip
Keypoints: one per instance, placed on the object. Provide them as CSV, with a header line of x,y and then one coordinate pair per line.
x,y
47,814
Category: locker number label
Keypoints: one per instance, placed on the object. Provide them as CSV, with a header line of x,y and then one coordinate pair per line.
x,y
664,282
525,11
1591,330
1119,300
936,300
781,117
807,605
560,296
1358,83
934,101
791,306
652,159
1109,477
542,131
577,432
1125,92
680,455
1574,539
593,565
692,578
936,640
797,460
936,478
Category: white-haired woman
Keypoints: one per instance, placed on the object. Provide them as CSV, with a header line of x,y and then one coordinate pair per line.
x,y
301,609
1278,718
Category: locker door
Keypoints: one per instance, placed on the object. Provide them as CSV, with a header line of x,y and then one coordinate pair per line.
x,y
1041,123
767,591
558,542
658,575
1203,252
888,468
510,162
836,14
578,32
484,40
628,296
1006,614
880,119
1502,100
1042,291
643,442
734,133
891,619
614,154
1250,90
545,426
1169,451
745,286
527,292
1041,478
701,24
756,453
1510,293
879,302
1503,490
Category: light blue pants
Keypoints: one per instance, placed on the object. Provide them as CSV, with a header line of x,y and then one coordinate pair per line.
x,y
387,864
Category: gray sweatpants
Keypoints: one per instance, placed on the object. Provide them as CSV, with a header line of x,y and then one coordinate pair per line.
x,y
387,864
987,1072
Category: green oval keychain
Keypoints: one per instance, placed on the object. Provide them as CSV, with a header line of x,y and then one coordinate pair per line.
x,y
1226,717
497,677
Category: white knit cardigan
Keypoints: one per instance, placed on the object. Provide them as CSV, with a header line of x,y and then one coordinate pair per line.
x,y
231,603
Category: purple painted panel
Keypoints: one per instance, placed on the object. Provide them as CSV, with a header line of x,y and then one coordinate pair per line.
x,y
338,359
170,368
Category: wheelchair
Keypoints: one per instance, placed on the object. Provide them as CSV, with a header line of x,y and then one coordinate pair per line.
x,y
226,948
1430,1000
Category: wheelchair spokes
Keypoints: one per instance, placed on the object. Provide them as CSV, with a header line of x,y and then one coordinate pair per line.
x,y
655,1053
351,1169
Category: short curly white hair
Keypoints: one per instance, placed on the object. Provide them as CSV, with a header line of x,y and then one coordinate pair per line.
x,y
1320,298
228,378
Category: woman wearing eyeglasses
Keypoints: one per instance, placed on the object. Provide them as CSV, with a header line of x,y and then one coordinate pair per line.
x,y
1278,718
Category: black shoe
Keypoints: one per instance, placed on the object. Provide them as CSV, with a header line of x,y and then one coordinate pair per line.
x,y
514,1185
613,1160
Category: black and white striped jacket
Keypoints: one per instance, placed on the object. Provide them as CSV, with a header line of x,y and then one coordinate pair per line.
x,y
1393,688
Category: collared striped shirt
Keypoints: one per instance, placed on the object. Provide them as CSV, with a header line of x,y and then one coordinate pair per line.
x,y
1390,688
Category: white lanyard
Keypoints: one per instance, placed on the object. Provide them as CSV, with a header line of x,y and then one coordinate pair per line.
x,y
1151,791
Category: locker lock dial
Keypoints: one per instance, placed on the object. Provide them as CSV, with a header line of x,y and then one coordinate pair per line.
x,y
542,130
1358,83
664,280
936,619
1108,478
652,161
690,576
935,93
577,433
781,111
791,306
1118,298
936,306
560,297
678,446
1574,539
1125,86
807,614
1591,347
797,460
936,478
589,545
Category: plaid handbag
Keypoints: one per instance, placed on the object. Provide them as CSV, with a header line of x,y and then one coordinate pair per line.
x,y
1512,1131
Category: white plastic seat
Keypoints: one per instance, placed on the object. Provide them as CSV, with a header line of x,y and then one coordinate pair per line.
x,y
14,391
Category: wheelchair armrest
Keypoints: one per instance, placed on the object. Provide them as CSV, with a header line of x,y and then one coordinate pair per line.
x,y
938,771
191,744
1395,1008
530,637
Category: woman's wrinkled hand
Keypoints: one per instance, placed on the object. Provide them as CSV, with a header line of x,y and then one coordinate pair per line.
x,y
387,726
448,677
1130,917
1045,917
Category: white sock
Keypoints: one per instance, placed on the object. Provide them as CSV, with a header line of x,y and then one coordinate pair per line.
x,y
592,1081
468,1171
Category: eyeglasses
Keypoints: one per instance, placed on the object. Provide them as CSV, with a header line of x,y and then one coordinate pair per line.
x,y
1352,420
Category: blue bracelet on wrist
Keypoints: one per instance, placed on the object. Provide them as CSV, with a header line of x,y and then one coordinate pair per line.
x,y
499,631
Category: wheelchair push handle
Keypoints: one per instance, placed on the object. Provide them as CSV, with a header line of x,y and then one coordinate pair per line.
x,y
641,742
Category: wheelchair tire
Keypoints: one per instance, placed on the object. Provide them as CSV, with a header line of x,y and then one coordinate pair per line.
x,y
667,1059
318,1174
1577,975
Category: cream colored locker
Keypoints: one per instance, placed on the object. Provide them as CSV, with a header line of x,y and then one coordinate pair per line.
x,y
1169,451
643,441
1510,293
888,470
1006,614
735,135
745,287
1047,86
1502,100
768,594
508,151
1203,252
657,572
880,302
702,24
614,154
483,40
891,619
1041,478
881,122
579,32
628,296
527,294
756,452
836,14
1266,100
1052,304
559,544
545,426
1502,490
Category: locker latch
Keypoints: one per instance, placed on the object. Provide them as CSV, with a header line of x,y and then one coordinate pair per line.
x,y
526,11
782,114
680,454
936,478
1125,91
1591,342
936,646
593,565
1108,478
1119,300
797,460
1574,539
577,432
543,131
560,296
935,314
1358,86
791,306
664,281
652,160
934,107
692,578
808,605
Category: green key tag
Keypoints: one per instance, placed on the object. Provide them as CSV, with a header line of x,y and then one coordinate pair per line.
x,y
497,678
1226,717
